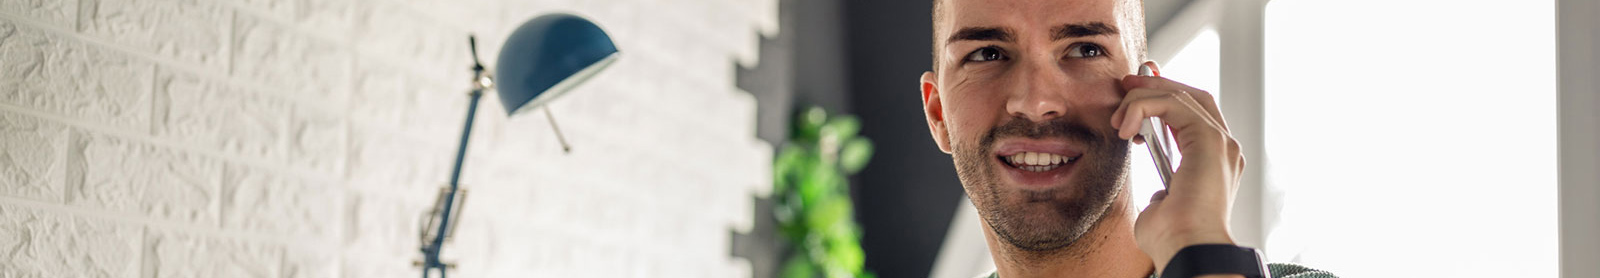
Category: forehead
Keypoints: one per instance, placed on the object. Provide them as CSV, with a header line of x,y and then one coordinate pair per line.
x,y
1024,14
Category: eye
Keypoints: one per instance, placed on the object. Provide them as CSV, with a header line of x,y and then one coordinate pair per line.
x,y
986,54
1085,50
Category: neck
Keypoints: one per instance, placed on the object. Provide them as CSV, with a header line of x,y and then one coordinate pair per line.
x,y
1107,250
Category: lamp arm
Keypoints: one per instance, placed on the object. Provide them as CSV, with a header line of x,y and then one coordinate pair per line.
x,y
432,251
466,132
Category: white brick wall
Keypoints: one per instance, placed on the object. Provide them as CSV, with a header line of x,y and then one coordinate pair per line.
x,y
304,138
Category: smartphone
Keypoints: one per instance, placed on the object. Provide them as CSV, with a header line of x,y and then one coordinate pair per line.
x,y
1157,138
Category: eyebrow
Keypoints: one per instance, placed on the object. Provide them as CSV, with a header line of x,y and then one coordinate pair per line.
x,y
1064,31
1081,30
982,34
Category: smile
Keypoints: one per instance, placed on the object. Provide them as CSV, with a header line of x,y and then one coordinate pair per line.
x,y
1037,161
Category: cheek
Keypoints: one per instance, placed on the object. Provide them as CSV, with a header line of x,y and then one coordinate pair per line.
x,y
970,122
1097,94
972,109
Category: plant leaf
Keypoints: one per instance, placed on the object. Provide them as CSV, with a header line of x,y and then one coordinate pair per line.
x,y
785,166
855,154
817,185
846,252
798,267
840,128
827,215
808,122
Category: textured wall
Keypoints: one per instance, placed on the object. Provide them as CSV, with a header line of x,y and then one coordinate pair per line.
x,y
304,138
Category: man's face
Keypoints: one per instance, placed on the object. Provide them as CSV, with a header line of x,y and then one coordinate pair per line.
x,y
1022,98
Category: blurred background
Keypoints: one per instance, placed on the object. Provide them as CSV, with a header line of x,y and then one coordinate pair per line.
x,y
752,138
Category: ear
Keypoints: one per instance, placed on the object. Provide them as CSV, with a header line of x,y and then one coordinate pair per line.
x,y
933,108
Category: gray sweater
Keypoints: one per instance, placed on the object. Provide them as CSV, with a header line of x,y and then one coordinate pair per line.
x,y
1279,270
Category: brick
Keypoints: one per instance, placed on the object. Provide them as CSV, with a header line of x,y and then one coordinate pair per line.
x,y
258,200
47,244
316,140
330,19
281,8
738,267
301,66
764,14
405,37
386,162
760,158
61,13
477,15
440,111
334,18
190,31
382,225
32,155
178,254
312,263
354,266
133,177
61,76
382,95
208,113
396,99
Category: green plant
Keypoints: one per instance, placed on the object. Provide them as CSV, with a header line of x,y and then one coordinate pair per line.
x,y
812,195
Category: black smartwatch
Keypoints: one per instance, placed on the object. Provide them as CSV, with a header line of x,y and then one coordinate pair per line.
x,y
1206,259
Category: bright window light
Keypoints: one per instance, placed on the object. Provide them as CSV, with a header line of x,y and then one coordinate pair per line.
x,y
1411,138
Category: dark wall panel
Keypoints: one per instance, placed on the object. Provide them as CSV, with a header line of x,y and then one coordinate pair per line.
x,y
908,194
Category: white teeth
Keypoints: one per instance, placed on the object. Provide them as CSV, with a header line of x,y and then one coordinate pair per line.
x,y
1029,159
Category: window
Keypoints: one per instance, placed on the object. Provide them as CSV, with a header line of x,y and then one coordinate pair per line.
x,y
1412,138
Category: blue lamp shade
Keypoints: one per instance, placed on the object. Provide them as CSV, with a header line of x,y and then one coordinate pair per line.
x,y
548,56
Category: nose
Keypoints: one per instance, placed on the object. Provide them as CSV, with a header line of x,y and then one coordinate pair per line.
x,y
1042,94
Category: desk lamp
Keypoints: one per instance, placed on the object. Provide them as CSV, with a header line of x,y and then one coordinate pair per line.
x,y
543,59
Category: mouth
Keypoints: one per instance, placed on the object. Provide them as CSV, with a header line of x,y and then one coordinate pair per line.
x,y
1033,163
1037,161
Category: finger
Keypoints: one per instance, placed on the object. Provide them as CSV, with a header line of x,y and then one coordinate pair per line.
x,y
1205,99
1123,116
1141,93
1155,82
1176,110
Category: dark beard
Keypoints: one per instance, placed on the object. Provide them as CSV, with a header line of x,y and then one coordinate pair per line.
x,y
1069,212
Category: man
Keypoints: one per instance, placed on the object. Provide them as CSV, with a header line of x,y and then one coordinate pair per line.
x,y
1035,103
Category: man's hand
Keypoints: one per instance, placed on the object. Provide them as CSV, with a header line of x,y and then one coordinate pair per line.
x,y
1194,210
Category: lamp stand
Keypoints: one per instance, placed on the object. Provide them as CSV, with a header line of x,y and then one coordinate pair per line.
x,y
432,248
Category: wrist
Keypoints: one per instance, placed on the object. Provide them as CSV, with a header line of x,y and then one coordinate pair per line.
x,y
1216,260
1164,256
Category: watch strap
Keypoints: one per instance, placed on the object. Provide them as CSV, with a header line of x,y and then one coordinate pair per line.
x,y
1204,259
